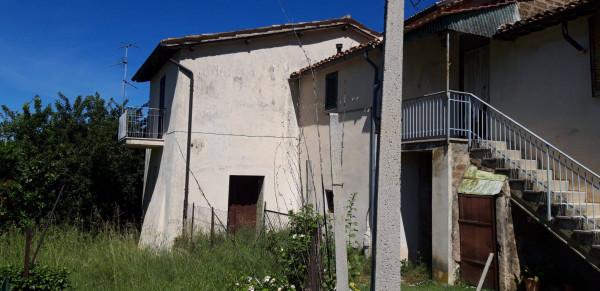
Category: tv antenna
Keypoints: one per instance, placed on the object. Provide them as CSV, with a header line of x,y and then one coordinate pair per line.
x,y
124,62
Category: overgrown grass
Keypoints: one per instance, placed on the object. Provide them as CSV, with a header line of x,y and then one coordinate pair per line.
x,y
110,260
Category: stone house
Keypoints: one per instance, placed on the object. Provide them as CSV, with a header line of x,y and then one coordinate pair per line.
x,y
508,85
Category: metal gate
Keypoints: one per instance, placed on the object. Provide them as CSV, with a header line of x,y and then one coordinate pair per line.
x,y
477,224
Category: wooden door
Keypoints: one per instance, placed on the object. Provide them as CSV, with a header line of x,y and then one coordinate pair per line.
x,y
476,75
477,224
244,193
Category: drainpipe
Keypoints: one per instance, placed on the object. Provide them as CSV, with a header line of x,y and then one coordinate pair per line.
x,y
448,86
374,145
569,38
190,75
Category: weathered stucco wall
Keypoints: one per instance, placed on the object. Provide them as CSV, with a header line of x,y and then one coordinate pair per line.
x,y
544,83
244,124
355,91
425,65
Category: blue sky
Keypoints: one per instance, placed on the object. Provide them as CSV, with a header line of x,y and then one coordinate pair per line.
x,y
72,46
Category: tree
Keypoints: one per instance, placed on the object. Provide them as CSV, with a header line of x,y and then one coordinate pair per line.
x,y
43,147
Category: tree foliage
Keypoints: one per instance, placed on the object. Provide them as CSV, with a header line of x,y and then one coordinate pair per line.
x,y
71,143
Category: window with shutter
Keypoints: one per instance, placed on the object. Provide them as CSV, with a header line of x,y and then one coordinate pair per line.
x,y
595,54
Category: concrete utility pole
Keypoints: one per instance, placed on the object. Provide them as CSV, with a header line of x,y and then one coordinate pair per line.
x,y
388,226
339,228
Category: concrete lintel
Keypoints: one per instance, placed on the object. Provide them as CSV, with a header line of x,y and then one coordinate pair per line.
x,y
143,143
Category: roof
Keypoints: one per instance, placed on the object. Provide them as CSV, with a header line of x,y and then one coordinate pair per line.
x,y
169,46
427,16
548,18
339,56
450,7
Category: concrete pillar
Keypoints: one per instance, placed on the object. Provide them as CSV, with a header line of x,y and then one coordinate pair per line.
x,y
339,228
441,218
448,166
388,226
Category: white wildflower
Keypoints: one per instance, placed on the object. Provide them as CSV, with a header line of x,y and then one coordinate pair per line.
x,y
251,288
294,236
267,279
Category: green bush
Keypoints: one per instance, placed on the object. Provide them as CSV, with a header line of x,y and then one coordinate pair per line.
x,y
40,277
267,284
293,251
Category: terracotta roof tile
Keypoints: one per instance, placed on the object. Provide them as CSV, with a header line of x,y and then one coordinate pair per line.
x,y
341,55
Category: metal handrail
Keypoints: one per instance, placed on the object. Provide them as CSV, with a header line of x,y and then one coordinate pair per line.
x,y
142,123
554,148
461,115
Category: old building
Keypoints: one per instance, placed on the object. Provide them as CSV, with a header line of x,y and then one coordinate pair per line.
x,y
507,85
493,82
244,133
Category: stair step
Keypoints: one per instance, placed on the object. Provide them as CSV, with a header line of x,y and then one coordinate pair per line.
x,y
559,185
498,145
577,209
539,175
570,196
493,163
512,155
480,153
517,184
577,222
587,237
525,164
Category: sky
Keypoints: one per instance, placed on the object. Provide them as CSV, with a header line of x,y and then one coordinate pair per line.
x,y
73,46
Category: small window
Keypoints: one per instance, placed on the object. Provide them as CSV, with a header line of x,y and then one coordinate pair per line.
x,y
331,91
595,54
161,97
329,197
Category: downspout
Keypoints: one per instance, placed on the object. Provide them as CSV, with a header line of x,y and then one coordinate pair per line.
x,y
373,140
186,190
571,40
448,86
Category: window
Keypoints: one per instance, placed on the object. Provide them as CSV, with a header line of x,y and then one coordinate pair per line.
x,y
331,91
329,197
161,97
595,54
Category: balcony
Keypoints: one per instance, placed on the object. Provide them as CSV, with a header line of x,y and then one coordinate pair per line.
x,y
142,127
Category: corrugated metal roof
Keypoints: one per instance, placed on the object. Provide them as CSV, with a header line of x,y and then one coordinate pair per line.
x,y
450,7
481,22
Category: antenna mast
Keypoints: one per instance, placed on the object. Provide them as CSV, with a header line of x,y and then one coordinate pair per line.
x,y
124,62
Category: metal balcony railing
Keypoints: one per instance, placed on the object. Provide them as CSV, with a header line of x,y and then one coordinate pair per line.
x,y
141,123
570,188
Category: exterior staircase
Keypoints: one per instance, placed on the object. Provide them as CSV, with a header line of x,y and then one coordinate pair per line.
x,y
552,187
574,212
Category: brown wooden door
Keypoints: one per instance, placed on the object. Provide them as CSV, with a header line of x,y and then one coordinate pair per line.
x,y
241,217
477,224
244,193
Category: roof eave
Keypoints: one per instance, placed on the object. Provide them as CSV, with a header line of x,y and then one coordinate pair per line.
x,y
167,47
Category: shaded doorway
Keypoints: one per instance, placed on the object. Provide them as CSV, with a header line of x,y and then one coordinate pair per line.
x,y
416,205
475,66
244,195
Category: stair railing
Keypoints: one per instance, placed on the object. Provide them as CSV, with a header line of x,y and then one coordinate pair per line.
x,y
570,188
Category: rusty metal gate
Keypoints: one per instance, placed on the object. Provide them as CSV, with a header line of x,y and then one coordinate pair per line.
x,y
477,224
